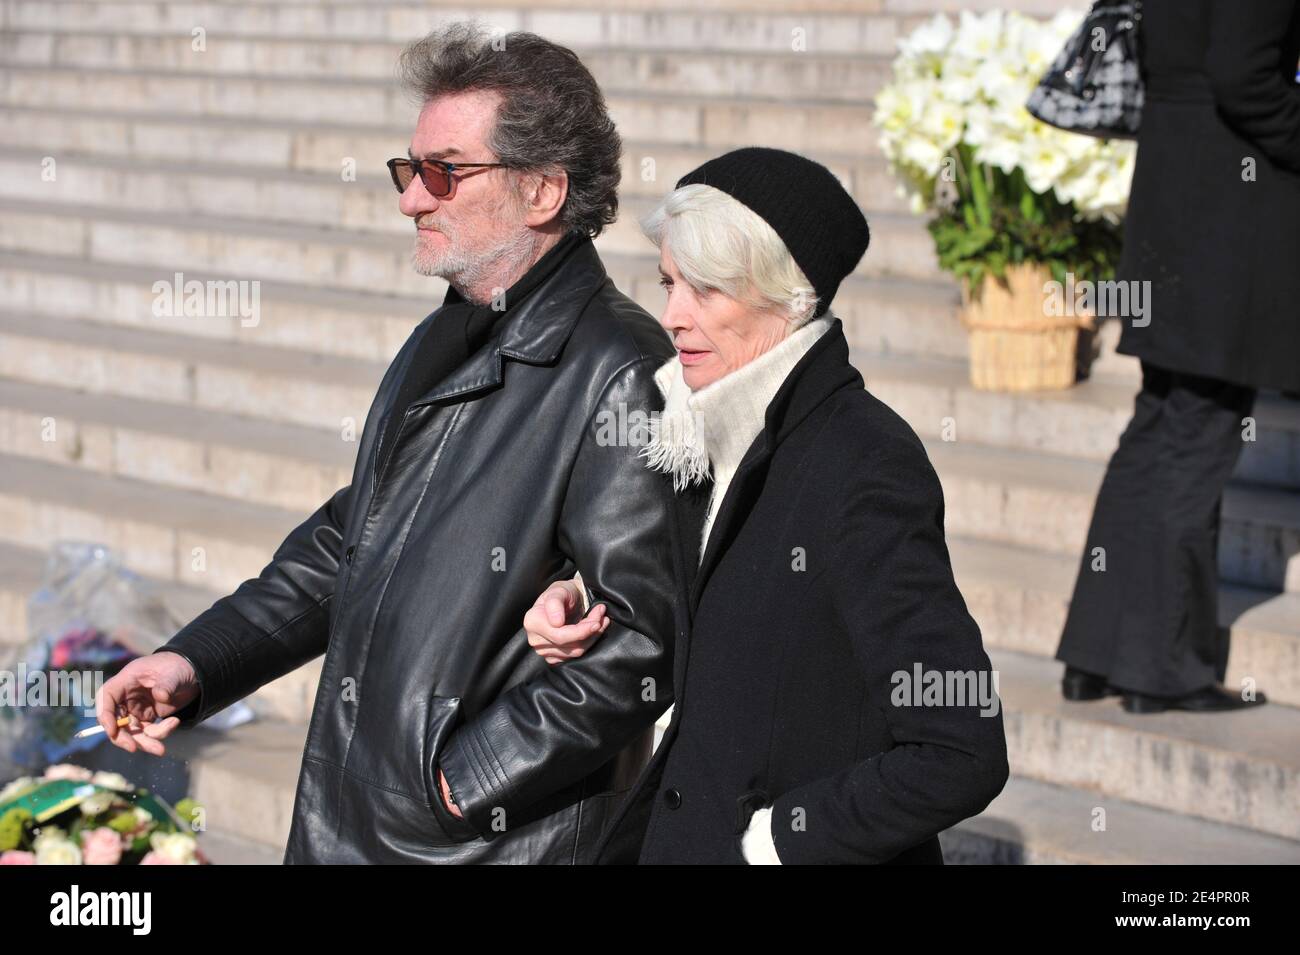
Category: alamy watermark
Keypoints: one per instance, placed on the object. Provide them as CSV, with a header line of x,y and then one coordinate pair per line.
x,y
922,687
40,688
214,298
1109,299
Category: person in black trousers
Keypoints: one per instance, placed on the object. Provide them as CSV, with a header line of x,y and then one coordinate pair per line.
x,y
1214,225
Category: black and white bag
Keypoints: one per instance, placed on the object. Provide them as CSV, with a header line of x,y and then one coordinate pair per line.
x,y
1094,86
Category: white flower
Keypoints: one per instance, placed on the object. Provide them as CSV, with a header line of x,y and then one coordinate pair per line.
x,y
57,851
958,81
176,847
979,124
1059,29
1013,121
978,37
922,153
1076,148
942,122
1000,151
1042,161
1003,80
931,38
899,106
112,781
1015,29
96,803
68,771
967,84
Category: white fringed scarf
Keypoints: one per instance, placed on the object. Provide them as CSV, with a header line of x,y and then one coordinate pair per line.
x,y
708,431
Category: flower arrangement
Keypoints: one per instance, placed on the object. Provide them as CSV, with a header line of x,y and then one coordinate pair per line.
x,y
1002,187
72,816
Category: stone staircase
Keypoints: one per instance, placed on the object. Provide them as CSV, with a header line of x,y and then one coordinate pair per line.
x,y
176,432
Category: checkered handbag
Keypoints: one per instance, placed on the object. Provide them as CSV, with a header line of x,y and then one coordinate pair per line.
x,y
1094,86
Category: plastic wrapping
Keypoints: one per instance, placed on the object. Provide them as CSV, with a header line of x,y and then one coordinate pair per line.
x,y
90,616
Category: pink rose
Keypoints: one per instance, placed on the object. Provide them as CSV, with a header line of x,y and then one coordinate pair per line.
x,y
101,846
15,857
156,858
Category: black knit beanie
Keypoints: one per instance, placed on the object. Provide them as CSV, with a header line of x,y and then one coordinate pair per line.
x,y
804,204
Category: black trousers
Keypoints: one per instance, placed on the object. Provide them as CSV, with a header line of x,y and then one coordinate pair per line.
x,y
1145,608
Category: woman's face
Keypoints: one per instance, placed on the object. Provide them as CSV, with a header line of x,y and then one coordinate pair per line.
x,y
713,334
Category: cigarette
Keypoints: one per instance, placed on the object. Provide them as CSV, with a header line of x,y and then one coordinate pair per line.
x,y
92,730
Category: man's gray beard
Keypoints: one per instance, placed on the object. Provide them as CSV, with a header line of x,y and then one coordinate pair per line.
x,y
465,273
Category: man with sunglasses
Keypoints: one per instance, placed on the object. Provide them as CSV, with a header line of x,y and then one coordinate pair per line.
x,y
484,472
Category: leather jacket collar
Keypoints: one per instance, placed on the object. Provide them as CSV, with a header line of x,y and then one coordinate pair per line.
x,y
536,329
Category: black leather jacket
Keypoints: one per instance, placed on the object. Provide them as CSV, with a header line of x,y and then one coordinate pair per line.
x,y
502,481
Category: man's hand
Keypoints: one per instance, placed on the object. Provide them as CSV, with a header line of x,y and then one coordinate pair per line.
x,y
149,688
553,627
446,795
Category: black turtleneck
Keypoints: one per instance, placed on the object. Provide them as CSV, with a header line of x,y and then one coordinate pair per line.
x,y
458,330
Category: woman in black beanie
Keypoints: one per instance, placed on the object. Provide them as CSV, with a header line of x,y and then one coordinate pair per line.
x,y
832,700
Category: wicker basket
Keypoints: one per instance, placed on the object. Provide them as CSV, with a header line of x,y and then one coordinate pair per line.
x,y
1014,344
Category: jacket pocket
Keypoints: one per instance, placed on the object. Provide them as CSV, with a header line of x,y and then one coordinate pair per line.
x,y
440,722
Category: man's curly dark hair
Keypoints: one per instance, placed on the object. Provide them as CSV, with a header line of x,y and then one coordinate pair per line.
x,y
552,116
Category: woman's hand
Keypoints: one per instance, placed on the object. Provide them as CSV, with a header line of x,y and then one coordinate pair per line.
x,y
553,625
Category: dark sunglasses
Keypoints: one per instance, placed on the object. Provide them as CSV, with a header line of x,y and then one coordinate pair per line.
x,y
434,173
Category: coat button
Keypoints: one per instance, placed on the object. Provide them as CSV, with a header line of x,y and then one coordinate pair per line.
x,y
348,554
672,798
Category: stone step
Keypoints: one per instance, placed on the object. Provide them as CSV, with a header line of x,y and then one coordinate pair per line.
x,y
1041,501
731,25
745,7
245,249
779,74
1033,823
243,777
272,463
370,326
937,399
851,26
224,849
1239,768
165,533
119,171
650,166
719,123
896,316
1020,598
560,20
324,392
288,699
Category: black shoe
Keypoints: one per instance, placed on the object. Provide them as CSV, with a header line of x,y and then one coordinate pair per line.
x,y
1209,699
1080,685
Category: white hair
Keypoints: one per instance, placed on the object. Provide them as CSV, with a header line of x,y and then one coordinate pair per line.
x,y
717,242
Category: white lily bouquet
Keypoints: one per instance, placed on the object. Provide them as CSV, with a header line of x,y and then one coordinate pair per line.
x,y
1002,187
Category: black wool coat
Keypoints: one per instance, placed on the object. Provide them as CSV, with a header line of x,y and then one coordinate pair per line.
x,y
1221,250
826,574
